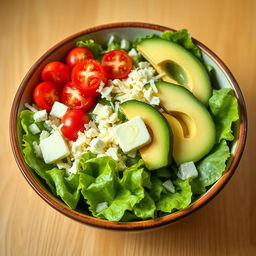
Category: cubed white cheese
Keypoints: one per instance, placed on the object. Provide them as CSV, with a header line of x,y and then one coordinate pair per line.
x,y
133,53
58,109
32,108
34,129
187,170
132,134
112,152
97,145
124,44
169,186
54,148
40,116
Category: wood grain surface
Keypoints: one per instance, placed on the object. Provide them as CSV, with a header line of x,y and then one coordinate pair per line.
x,y
28,226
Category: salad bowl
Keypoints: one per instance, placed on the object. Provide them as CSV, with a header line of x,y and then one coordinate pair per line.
x,y
223,78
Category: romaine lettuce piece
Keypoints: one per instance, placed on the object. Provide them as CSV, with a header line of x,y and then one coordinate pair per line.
x,y
37,164
211,168
67,187
224,107
178,200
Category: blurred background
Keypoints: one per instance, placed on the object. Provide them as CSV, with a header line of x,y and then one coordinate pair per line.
x,y
28,226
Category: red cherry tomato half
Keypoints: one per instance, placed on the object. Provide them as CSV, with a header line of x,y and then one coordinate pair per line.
x,y
117,63
45,94
75,99
87,76
73,122
56,72
77,55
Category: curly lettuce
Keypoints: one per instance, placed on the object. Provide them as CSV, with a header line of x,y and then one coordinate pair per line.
x,y
224,107
37,164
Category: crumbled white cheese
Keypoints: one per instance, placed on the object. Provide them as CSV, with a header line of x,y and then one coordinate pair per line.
x,y
143,64
61,165
187,170
133,53
58,109
124,44
112,152
97,145
34,129
40,116
154,101
74,167
153,86
132,87
32,107
99,136
169,186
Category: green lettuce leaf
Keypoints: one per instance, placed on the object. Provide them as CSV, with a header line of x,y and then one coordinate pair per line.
x,y
90,44
224,107
211,168
178,200
37,164
67,187
145,208
110,47
157,188
181,37
138,40
100,184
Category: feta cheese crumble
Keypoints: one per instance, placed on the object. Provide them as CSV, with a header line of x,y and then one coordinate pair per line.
x,y
187,170
98,137
40,116
134,87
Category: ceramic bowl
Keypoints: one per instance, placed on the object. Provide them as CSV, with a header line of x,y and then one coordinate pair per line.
x,y
128,30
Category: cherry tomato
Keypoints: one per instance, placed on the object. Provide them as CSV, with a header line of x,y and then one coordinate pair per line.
x,y
78,54
117,63
45,94
75,99
56,72
73,122
87,76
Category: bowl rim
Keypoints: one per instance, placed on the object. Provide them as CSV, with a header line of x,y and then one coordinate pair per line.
x,y
137,225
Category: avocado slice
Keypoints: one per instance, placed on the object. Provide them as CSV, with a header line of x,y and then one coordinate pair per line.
x,y
194,132
179,65
158,153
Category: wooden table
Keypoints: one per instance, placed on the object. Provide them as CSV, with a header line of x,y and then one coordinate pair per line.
x,y
28,226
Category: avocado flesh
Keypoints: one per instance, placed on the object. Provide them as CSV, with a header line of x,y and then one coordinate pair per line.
x,y
158,153
180,66
193,129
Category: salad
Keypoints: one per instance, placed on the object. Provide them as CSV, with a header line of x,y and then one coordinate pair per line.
x,y
129,130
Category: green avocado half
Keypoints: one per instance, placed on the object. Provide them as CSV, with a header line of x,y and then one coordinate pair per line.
x,y
194,132
158,153
179,66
